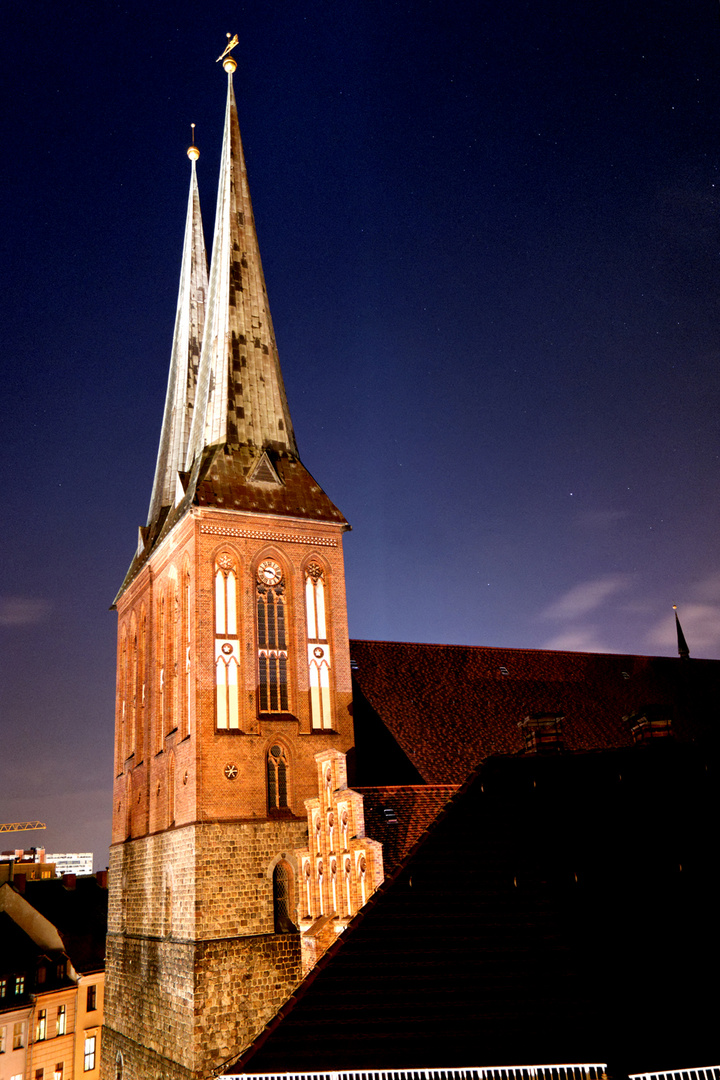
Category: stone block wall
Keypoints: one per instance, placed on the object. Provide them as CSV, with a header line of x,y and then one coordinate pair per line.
x,y
194,968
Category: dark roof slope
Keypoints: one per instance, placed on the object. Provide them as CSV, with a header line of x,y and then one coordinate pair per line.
x,y
448,707
560,909
80,915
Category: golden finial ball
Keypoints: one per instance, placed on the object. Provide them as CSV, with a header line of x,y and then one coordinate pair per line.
x,y
193,153
229,64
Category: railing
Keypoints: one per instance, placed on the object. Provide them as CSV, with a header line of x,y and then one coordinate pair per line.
x,y
520,1072
707,1072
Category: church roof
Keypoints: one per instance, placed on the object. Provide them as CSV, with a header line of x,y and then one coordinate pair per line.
x,y
555,911
398,816
185,357
240,395
448,707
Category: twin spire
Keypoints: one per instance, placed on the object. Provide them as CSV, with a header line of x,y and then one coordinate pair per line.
x,y
225,385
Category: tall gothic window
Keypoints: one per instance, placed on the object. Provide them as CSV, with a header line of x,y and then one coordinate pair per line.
x,y
282,899
185,656
133,688
227,646
122,705
142,634
162,673
277,778
318,647
272,638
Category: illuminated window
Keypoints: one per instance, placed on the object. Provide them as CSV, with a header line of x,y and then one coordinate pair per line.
x,y
272,638
61,1020
89,1053
18,1035
91,998
318,647
19,984
58,1074
41,1027
277,777
3,987
227,644
2,1040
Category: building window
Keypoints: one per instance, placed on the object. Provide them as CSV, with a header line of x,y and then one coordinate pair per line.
x,y
61,971
277,777
282,899
18,1035
60,1026
41,1027
3,987
227,644
2,1040
39,1074
272,638
58,1074
19,984
318,647
91,998
42,970
89,1056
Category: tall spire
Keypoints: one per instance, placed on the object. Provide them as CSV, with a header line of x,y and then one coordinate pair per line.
x,y
240,397
185,357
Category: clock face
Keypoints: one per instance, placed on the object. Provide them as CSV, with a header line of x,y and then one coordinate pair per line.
x,y
269,573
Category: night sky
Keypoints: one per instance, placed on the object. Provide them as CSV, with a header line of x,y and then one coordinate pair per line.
x,y
491,240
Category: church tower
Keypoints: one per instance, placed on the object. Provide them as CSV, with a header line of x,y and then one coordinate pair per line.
x,y
233,674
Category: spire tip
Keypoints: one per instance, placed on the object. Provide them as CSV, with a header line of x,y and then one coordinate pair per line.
x,y
228,63
192,151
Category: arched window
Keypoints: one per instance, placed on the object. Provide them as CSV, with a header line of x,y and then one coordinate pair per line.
x,y
277,778
171,790
122,701
161,664
227,645
283,899
272,638
318,647
184,654
119,1066
142,637
132,687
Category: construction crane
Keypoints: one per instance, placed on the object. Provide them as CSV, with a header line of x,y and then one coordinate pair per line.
x,y
21,826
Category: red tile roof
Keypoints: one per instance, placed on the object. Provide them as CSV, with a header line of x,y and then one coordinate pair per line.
x,y
398,816
449,707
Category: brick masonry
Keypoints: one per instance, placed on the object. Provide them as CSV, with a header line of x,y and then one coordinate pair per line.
x,y
194,967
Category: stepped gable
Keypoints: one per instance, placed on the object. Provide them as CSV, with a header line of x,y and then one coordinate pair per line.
x,y
448,707
398,816
529,924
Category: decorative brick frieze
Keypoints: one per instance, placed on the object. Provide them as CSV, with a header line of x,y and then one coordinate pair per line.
x,y
267,535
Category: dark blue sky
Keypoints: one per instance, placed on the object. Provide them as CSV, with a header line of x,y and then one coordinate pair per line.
x,y
490,235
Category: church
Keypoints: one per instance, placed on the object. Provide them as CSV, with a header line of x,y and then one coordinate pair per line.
x,y
336,855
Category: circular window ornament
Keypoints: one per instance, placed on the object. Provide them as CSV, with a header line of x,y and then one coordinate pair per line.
x,y
269,573
225,561
318,653
227,648
231,771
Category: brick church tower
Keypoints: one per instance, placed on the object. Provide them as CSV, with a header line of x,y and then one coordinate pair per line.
x,y
233,673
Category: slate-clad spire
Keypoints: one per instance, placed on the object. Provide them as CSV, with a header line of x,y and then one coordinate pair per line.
x,y
185,358
240,397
